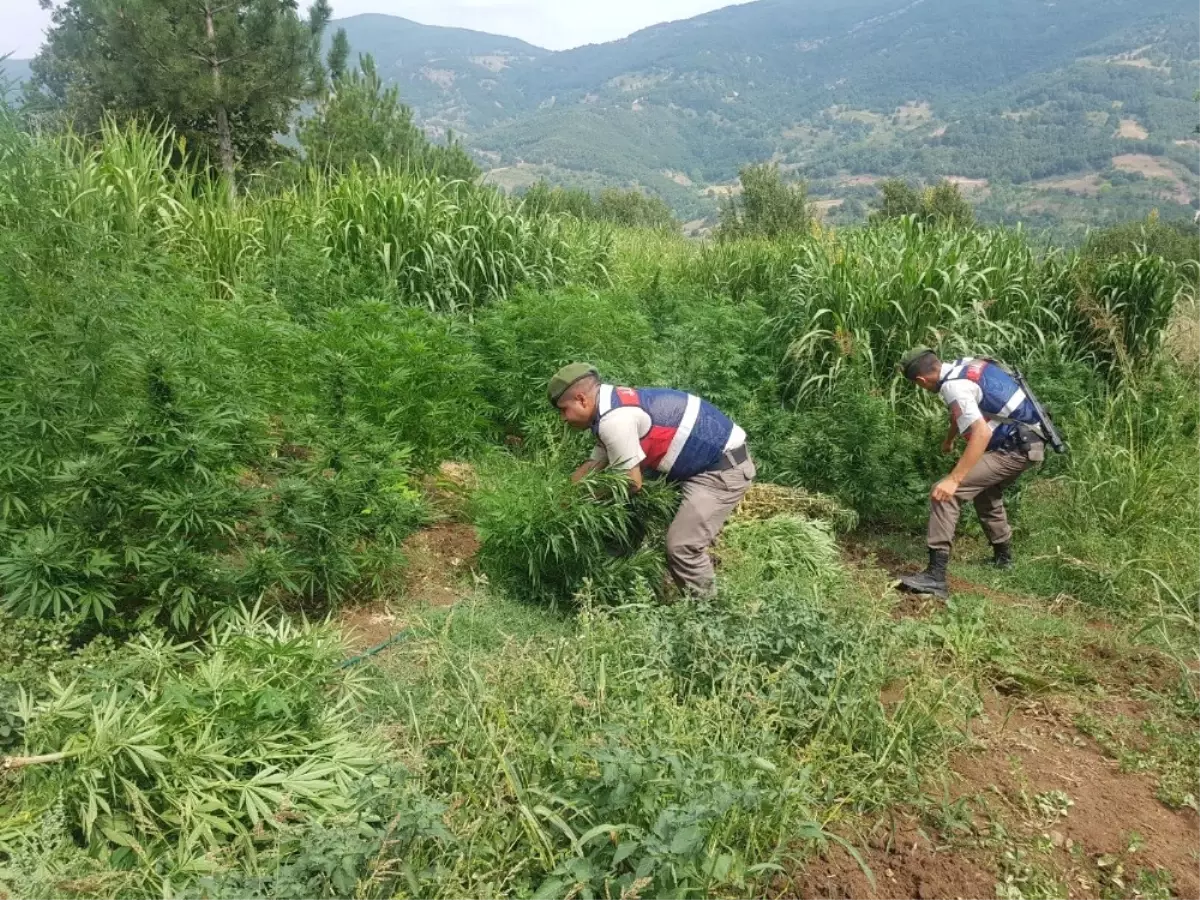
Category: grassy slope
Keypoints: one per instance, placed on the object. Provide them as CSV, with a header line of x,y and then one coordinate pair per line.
x,y
513,747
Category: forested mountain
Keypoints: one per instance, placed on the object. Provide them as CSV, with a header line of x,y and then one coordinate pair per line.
x,y
1042,109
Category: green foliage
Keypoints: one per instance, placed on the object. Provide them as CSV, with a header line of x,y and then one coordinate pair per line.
x,y
767,206
410,378
524,340
631,208
448,247
654,748
941,204
1132,480
1176,242
545,539
211,403
171,751
361,122
1125,308
859,448
227,77
857,301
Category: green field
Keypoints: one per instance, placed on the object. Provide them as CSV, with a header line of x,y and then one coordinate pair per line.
x,y
250,439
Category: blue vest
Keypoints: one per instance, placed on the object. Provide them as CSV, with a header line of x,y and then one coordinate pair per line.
x,y
687,435
1002,398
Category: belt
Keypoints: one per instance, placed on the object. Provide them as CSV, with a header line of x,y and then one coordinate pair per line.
x,y
732,459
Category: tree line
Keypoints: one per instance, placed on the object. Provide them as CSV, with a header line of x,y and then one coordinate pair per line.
x,y
228,77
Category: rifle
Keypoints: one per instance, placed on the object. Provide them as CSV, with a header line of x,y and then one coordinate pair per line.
x,y
1053,438
1049,432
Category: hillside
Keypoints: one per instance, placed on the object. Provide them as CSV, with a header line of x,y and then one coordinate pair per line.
x,y
1045,112
453,77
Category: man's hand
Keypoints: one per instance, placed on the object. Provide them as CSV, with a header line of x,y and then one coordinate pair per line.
x,y
944,490
583,471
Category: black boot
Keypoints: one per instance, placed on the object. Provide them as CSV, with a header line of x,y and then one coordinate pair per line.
x,y
1002,555
933,579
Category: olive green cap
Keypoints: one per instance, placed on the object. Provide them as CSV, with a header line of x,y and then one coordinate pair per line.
x,y
567,376
907,360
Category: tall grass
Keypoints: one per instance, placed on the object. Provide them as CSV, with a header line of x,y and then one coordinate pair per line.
x,y
447,246
659,750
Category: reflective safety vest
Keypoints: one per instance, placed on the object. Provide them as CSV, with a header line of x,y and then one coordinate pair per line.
x,y
1003,400
687,435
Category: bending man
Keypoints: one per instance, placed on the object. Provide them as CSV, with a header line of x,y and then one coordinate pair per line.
x,y
659,431
1002,429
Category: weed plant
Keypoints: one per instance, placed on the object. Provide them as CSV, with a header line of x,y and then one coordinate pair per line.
x,y
524,340
679,750
178,758
545,539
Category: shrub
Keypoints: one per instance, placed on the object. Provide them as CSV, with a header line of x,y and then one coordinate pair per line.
x,y
711,347
631,208
545,539
525,340
143,444
171,751
410,376
941,204
768,206
857,447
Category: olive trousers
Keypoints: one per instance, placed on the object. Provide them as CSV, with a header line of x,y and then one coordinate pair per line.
x,y
708,499
984,485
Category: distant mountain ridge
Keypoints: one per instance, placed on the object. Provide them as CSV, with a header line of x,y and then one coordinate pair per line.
x,y
842,93
1044,110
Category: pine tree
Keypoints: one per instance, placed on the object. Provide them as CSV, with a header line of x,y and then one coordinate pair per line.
x,y
226,74
361,121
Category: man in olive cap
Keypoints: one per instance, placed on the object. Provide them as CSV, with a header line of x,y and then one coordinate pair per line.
x,y
1004,438
668,433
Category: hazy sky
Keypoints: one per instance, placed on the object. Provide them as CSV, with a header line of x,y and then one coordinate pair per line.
x,y
556,24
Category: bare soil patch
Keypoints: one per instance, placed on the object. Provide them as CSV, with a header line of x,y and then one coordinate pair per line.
x,y
824,206
722,190
1154,167
1087,185
905,863
493,62
860,180
910,115
443,78
1140,63
438,573
968,185
1131,128
1030,771
1026,753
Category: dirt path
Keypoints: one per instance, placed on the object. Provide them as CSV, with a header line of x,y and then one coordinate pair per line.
x,y
1029,779
1032,807
438,574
